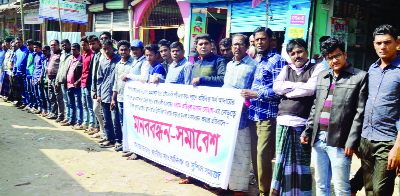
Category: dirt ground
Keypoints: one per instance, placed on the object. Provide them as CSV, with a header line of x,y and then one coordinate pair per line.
x,y
39,157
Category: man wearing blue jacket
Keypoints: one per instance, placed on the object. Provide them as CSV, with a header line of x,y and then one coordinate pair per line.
x,y
19,70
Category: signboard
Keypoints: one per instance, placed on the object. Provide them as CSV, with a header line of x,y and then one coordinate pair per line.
x,y
191,130
340,29
32,17
70,11
197,26
297,21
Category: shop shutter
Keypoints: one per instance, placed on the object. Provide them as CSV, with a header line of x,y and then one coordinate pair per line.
x,y
246,19
102,22
120,21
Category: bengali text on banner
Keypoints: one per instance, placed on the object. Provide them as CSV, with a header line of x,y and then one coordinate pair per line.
x,y
191,130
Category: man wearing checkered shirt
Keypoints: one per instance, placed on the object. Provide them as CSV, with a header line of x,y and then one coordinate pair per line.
x,y
264,108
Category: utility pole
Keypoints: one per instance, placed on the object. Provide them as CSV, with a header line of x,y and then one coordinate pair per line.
x,y
266,14
22,21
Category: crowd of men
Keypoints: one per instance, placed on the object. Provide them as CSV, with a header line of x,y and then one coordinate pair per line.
x,y
297,112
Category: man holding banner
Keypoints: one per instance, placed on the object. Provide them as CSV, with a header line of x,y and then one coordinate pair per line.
x,y
240,75
264,108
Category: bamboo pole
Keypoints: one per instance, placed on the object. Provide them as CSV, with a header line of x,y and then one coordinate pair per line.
x,y
266,14
22,21
59,19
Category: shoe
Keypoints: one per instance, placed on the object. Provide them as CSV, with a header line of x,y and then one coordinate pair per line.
x,y
51,116
119,148
59,120
27,108
64,121
21,106
66,124
79,127
107,144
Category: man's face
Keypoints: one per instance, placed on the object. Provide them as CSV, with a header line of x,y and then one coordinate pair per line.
x,y
104,37
262,42
123,51
299,56
239,47
177,54
203,47
226,52
29,46
252,41
36,48
85,46
165,52
151,57
75,51
54,46
214,49
108,50
94,45
136,52
66,46
19,43
46,53
385,46
337,60
14,47
8,44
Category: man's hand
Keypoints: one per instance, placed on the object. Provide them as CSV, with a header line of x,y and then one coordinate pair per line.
x,y
143,81
304,140
75,84
98,99
393,158
113,104
348,151
249,94
14,76
57,85
156,80
195,82
32,82
125,78
94,95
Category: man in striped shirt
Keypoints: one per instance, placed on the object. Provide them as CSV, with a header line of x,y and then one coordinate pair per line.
x,y
335,122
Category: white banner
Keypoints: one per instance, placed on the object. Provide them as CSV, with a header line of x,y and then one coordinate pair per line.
x,y
73,12
191,130
32,17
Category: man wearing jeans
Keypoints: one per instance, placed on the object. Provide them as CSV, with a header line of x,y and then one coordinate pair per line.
x,y
335,122
61,78
264,108
88,115
55,93
19,69
380,142
105,82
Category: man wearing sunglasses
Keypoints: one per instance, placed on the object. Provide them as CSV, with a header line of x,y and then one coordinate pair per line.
x,y
335,122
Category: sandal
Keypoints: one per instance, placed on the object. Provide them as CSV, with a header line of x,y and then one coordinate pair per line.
x,y
102,140
127,154
107,144
185,181
96,135
132,157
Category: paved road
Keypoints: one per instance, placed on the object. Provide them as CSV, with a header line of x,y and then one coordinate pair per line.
x,y
43,158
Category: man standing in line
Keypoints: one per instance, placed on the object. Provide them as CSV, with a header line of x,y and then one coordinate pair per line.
x,y
88,115
335,122
264,108
30,65
105,81
180,71
240,75
19,70
380,142
165,52
61,78
5,78
37,71
73,86
14,95
121,69
225,47
55,94
297,83
43,82
209,70
91,82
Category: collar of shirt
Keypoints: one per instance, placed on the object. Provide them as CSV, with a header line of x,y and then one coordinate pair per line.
x,y
206,57
395,62
269,55
76,59
87,53
130,60
244,60
349,69
139,59
301,69
182,62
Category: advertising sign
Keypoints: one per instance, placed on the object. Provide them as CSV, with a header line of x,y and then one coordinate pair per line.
x,y
198,25
32,17
70,11
340,29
